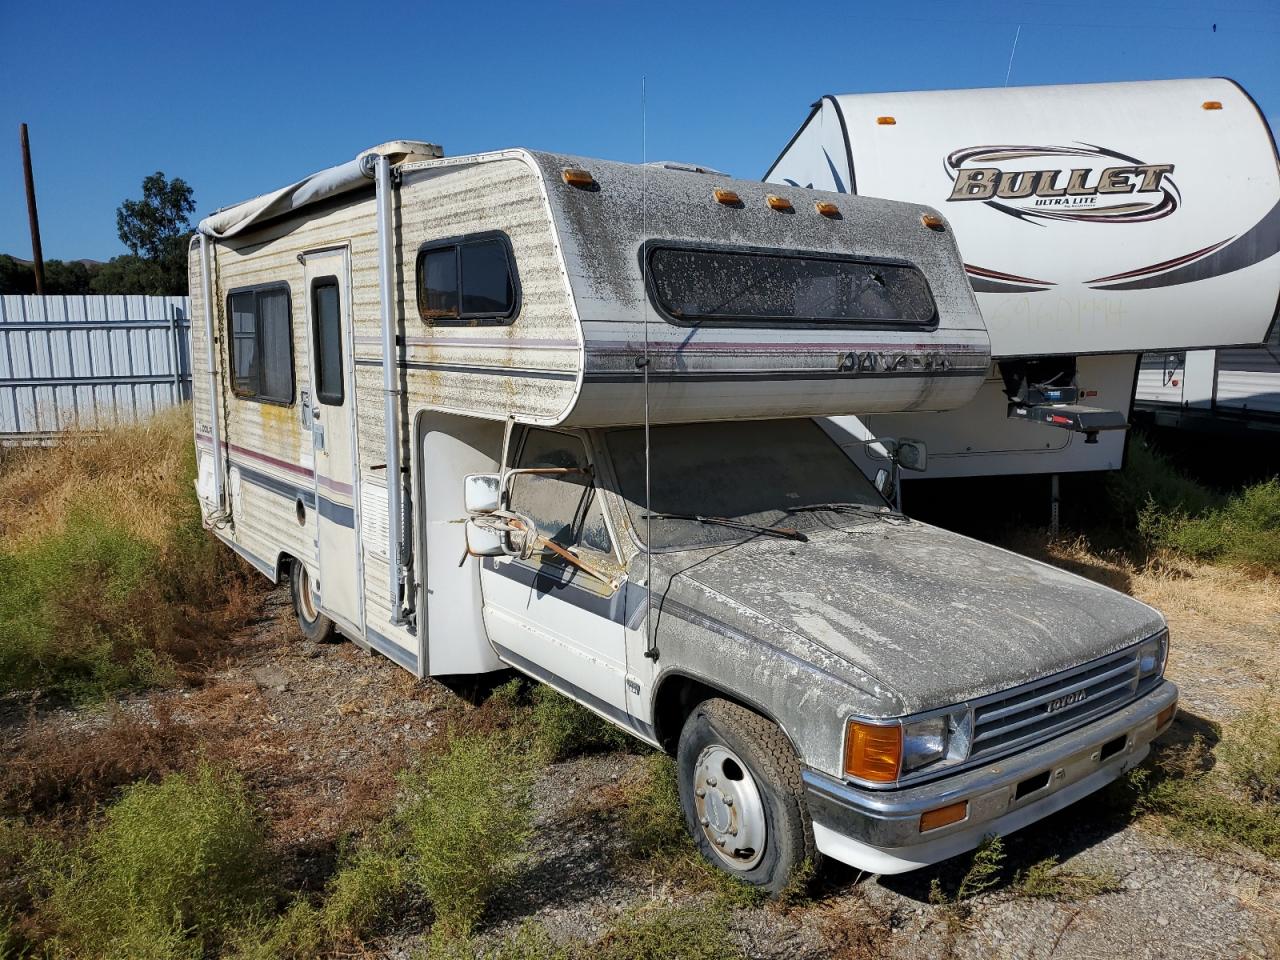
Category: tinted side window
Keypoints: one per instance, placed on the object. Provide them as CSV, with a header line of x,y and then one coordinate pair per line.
x,y
566,507
326,315
261,344
468,280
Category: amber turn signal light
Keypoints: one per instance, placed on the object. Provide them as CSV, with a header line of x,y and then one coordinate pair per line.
x,y
577,178
827,208
776,202
886,121
1212,105
932,221
944,816
873,752
1165,716
727,197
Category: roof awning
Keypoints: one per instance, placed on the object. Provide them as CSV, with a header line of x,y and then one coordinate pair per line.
x,y
332,182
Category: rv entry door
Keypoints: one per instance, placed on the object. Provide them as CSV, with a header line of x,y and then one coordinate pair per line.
x,y
333,435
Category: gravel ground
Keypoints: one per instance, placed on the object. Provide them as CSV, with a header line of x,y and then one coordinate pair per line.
x,y
320,730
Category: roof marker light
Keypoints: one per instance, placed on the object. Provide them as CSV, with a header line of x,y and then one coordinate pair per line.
x,y
1212,105
827,208
886,121
727,197
776,202
577,178
933,221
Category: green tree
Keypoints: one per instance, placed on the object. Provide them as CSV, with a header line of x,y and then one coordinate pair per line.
x,y
156,230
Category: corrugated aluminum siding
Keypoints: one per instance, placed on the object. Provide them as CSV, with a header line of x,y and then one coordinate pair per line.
x,y
90,361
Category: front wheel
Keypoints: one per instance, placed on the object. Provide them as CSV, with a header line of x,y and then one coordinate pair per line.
x,y
742,795
313,624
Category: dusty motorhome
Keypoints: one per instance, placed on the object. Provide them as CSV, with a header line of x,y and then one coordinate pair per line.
x,y
1097,222
535,411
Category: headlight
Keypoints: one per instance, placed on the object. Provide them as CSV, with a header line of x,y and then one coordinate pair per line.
x,y
881,753
1152,656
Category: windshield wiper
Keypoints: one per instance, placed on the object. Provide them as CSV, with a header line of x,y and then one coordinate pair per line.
x,y
888,514
785,532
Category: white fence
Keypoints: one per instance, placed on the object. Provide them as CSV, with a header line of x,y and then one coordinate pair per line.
x,y
89,362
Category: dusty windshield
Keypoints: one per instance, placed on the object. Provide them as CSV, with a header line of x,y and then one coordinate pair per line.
x,y
762,473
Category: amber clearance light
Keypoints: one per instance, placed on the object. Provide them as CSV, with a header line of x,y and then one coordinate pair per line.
x,y
873,752
776,202
727,197
575,177
1211,105
827,208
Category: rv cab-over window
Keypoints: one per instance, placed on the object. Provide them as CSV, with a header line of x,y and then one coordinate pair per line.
x,y
467,280
756,288
261,344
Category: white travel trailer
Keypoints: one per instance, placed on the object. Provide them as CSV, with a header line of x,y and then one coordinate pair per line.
x,y
528,410
1097,222
1221,391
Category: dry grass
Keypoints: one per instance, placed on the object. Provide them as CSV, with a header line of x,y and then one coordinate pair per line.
x,y
127,474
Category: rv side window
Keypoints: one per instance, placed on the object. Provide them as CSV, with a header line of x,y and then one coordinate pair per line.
x,y
566,507
750,287
468,280
261,344
326,316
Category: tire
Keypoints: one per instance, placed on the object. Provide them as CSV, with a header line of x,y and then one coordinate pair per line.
x,y
312,624
729,753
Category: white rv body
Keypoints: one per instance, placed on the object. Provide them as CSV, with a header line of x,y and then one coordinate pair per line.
x,y
305,478
1097,221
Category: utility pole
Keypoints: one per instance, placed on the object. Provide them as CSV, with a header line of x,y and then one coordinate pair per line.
x,y
37,256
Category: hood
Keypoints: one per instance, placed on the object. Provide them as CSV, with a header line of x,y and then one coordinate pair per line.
x,y
934,617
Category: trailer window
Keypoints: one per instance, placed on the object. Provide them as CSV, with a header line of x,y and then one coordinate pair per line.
x,y
261,344
326,318
566,507
729,286
468,280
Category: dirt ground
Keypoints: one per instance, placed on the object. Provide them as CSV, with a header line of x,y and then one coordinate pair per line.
x,y
320,730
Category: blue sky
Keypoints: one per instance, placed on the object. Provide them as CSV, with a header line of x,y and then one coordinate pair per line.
x,y
238,98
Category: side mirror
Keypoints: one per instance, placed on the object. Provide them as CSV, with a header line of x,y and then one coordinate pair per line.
x,y
884,483
480,493
911,455
483,542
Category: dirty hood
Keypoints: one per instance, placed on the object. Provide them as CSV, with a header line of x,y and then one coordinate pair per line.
x,y
934,617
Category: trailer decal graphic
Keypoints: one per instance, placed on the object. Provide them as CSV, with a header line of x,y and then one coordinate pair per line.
x,y
1014,180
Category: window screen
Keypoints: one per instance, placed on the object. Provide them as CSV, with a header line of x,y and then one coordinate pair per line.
x,y
566,507
326,313
261,344
470,280
715,285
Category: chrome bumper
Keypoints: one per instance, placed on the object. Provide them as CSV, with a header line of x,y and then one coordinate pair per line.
x,y
881,829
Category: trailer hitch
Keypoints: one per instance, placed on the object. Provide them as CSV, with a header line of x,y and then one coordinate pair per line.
x,y
1044,390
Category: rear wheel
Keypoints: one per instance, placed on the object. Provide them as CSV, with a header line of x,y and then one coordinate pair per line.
x,y
742,795
313,624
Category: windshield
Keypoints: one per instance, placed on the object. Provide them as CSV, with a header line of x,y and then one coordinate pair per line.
x,y
759,472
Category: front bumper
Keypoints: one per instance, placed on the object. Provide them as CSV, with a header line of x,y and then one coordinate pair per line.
x,y
879,831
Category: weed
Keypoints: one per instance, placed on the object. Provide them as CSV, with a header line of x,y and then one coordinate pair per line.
x,y
983,874
565,729
676,933
169,870
1187,796
1252,750
366,888
530,941
107,579
1048,880
1244,531
467,813
47,768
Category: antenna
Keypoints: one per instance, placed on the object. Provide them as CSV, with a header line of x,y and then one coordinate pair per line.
x,y
1009,71
650,647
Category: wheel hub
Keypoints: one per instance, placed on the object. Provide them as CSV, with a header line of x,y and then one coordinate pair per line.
x,y
730,810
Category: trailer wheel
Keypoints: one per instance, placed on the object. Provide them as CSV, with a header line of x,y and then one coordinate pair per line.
x,y
742,795
313,624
